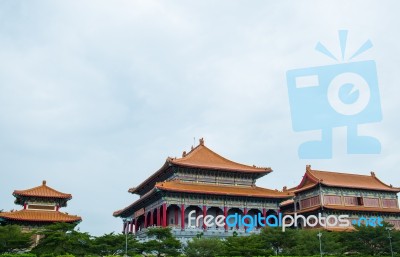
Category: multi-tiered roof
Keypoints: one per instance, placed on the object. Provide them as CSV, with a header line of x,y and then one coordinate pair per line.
x,y
203,158
41,205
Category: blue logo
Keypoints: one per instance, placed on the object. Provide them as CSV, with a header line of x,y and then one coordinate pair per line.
x,y
343,94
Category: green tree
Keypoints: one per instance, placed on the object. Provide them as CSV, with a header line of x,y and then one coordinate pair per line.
x,y
277,240
62,239
112,244
307,242
163,242
12,239
368,240
204,247
246,246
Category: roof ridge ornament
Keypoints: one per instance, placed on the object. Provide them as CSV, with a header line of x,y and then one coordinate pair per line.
x,y
184,154
201,141
308,167
44,182
372,174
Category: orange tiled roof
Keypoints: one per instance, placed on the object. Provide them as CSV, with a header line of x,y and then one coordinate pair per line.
x,y
340,229
310,209
337,179
42,191
138,201
347,208
287,202
202,157
361,208
40,216
179,186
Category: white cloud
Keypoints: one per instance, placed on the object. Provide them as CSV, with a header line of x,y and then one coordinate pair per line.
x,y
95,95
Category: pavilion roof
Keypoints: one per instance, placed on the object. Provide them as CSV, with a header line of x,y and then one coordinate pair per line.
x,y
346,180
39,216
42,191
204,158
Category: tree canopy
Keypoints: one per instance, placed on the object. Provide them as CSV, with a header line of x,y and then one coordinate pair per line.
x,y
12,239
64,239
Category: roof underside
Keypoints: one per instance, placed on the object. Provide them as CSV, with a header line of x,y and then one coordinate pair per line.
x,y
39,216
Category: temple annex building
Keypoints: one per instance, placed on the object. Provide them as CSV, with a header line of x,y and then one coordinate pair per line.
x,y
335,193
209,184
41,206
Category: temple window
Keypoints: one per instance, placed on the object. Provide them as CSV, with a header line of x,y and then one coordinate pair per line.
x,y
350,200
41,207
309,202
332,199
389,203
371,202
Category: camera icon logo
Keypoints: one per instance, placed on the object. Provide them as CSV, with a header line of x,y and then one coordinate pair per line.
x,y
344,94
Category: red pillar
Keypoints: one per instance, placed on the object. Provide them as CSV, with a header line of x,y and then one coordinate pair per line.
x,y
225,214
182,216
164,216
145,220
204,215
136,225
158,216
131,227
265,216
151,218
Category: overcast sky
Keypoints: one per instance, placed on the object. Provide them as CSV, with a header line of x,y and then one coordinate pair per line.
x,y
95,95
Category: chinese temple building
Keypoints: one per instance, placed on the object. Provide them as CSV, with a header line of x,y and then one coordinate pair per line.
x,y
41,206
333,193
204,183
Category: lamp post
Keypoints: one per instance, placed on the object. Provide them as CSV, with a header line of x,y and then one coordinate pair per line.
x,y
126,221
320,242
390,240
